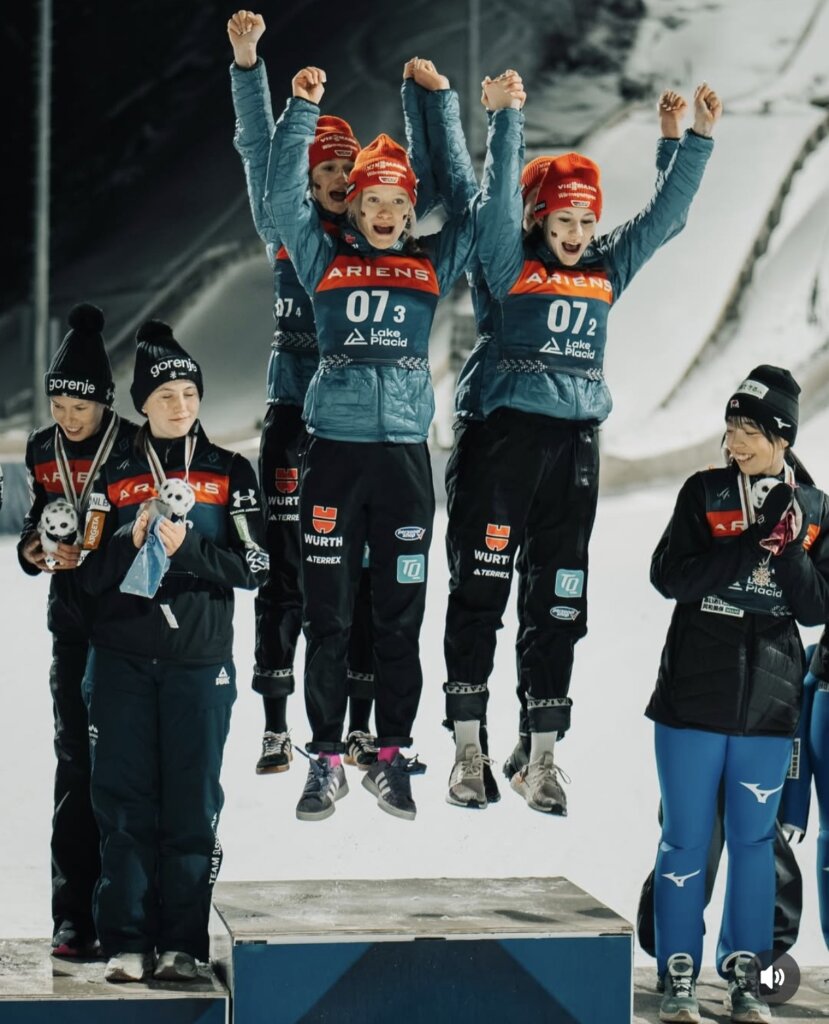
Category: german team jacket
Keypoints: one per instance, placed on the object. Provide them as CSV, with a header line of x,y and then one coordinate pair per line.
x,y
549,322
373,308
223,548
70,609
294,349
733,660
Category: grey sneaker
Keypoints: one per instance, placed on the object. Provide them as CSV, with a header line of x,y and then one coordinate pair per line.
x,y
538,782
743,997
360,750
277,753
325,785
129,967
173,966
466,780
680,1000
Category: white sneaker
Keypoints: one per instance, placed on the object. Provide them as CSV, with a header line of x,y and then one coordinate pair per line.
x,y
538,782
173,966
466,780
129,967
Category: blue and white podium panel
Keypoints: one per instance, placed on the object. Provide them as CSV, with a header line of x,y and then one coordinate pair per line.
x,y
35,988
422,951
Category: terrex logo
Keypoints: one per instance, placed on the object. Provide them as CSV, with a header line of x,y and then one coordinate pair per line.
x,y
287,480
324,518
497,537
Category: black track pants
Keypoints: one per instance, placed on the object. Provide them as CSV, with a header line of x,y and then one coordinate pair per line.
x,y
76,862
521,493
351,495
279,601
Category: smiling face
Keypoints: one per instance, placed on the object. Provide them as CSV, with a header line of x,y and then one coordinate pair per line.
x,y
568,232
328,184
752,450
77,420
172,408
383,214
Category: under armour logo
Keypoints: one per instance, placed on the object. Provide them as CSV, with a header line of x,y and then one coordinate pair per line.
x,y
680,880
761,794
781,423
240,499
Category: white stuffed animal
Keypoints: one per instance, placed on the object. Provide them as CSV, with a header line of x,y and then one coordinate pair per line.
x,y
58,525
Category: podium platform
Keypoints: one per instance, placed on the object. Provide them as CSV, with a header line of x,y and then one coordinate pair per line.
x,y
36,988
422,951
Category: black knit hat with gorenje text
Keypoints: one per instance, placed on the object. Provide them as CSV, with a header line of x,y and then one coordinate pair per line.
x,y
159,359
80,368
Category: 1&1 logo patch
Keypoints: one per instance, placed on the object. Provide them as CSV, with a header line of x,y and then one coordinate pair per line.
x,y
569,583
411,568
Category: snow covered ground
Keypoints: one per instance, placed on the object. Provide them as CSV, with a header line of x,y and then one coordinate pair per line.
x,y
606,845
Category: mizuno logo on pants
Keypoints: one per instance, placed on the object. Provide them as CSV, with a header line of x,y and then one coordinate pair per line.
x,y
680,880
761,794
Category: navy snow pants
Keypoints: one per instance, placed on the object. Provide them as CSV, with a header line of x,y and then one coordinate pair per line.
x,y
157,734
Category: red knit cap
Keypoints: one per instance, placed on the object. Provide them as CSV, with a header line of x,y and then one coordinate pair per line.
x,y
571,181
333,140
532,174
382,162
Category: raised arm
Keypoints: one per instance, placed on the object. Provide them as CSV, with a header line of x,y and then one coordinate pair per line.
x,y
417,143
254,117
449,157
294,215
499,210
632,244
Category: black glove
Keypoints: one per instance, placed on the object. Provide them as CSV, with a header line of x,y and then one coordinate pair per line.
x,y
777,503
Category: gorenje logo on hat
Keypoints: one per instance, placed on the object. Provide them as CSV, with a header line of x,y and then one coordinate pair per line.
x,y
85,387
173,364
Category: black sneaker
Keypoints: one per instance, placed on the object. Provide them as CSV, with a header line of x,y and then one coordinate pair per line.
x,y
519,757
360,750
490,785
71,944
391,784
326,783
276,753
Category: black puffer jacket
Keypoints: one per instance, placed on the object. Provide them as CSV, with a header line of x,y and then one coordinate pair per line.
x,y
191,617
726,668
70,611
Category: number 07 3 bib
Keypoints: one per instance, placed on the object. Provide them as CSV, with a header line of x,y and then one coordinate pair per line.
x,y
555,319
376,309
